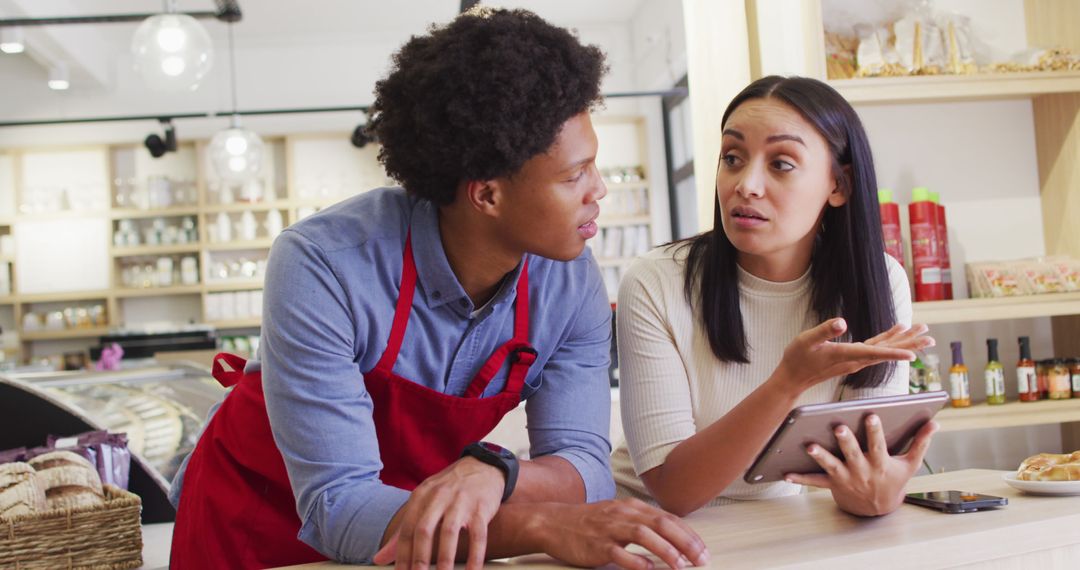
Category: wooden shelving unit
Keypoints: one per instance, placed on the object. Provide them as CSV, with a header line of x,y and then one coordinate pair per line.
x,y
236,324
247,207
159,291
1011,414
143,250
65,334
135,213
970,310
234,285
943,88
264,243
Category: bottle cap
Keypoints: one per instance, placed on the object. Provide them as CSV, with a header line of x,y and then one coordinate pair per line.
x,y
957,352
920,194
884,196
1025,348
991,350
935,197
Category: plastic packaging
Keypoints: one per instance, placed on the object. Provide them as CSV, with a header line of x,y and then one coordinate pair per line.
x,y
922,219
943,248
890,225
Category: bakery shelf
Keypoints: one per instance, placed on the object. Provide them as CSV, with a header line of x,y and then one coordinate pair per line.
x,y
155,250
605,221
234,285
159,291
938,88
247,207
236,324
64,297
263,243
133,213
8,300
64,334
1011,414
61,215
968,310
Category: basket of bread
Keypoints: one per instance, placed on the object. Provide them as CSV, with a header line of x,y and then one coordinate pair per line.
x,y
1048,474
56,513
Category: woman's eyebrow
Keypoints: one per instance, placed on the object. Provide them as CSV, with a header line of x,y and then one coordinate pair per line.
x,y
777,138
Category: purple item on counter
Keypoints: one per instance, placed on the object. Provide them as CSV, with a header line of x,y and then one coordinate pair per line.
x,y
109,453
13,455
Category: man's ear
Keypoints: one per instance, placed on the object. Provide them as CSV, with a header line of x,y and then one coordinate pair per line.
x,y
483,196
842,191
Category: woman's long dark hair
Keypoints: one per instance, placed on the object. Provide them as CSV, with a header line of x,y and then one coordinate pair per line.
x,y
848,271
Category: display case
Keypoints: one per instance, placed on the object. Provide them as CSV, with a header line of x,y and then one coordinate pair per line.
x,y
161,409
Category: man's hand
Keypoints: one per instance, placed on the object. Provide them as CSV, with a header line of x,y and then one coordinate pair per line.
x,y
598,533
465,495
871,483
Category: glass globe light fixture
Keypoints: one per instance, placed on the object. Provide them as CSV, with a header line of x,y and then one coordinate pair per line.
x,y
173,52
236,153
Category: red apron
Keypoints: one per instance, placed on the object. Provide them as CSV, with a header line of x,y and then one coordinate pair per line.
x,y
237,508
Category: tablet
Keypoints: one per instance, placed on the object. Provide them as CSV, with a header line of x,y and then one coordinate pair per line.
x,y
901,418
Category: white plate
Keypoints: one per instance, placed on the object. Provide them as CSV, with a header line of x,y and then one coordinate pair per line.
x,y
1043,487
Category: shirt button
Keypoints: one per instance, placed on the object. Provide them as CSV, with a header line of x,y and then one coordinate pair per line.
x,y
437,295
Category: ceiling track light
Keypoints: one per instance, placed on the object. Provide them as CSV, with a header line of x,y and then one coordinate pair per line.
x,y
159,146
11,40
361,137
227,11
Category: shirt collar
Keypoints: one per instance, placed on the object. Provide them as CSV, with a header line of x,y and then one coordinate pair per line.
x,y
433,273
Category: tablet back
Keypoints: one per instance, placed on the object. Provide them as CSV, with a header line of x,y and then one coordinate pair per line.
x,y
901,418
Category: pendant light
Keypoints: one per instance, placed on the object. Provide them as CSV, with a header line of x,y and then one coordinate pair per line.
x,y
172,51
235,152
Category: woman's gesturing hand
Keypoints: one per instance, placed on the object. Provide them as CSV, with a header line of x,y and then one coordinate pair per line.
x,y
813,356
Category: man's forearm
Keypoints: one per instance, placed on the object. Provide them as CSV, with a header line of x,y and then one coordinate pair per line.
x,y
548,479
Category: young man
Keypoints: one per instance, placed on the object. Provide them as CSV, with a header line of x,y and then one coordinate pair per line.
x,y
402,324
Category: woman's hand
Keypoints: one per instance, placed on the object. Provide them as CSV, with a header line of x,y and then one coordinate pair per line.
x,y
813,356
866,484
596,534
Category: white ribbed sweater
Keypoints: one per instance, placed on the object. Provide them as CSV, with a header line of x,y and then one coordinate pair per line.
x,y
671,384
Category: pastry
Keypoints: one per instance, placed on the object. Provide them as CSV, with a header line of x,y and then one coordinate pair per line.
x,y
1050,467
21,491
69,479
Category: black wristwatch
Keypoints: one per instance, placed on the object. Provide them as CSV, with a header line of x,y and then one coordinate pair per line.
x,y
497,456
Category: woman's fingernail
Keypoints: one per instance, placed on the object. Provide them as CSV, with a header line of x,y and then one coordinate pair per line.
x,y
702,558
873,420
838,324
812,450
788,480
842,430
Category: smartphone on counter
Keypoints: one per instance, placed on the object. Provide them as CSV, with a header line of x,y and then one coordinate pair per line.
x,y
955,501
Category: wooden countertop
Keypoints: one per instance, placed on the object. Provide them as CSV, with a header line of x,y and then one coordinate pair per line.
x,y
809,531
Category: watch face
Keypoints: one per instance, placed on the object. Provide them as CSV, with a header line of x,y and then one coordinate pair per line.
x,y
496,449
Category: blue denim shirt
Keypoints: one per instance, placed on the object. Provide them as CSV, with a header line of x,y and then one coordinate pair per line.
x,y
331,284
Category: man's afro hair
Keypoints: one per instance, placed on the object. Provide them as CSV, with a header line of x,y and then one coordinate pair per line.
x,y
475,99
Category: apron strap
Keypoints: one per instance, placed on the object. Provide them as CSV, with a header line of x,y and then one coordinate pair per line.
x,y
402,310
521,353
228,369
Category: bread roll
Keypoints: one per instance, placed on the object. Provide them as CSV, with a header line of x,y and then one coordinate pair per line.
x,y
21,491
1050,467
69,479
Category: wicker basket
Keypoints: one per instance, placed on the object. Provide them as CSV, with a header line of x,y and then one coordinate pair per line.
x,y
108,537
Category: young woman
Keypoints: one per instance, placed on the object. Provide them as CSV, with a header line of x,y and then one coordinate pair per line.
x,y
789,300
